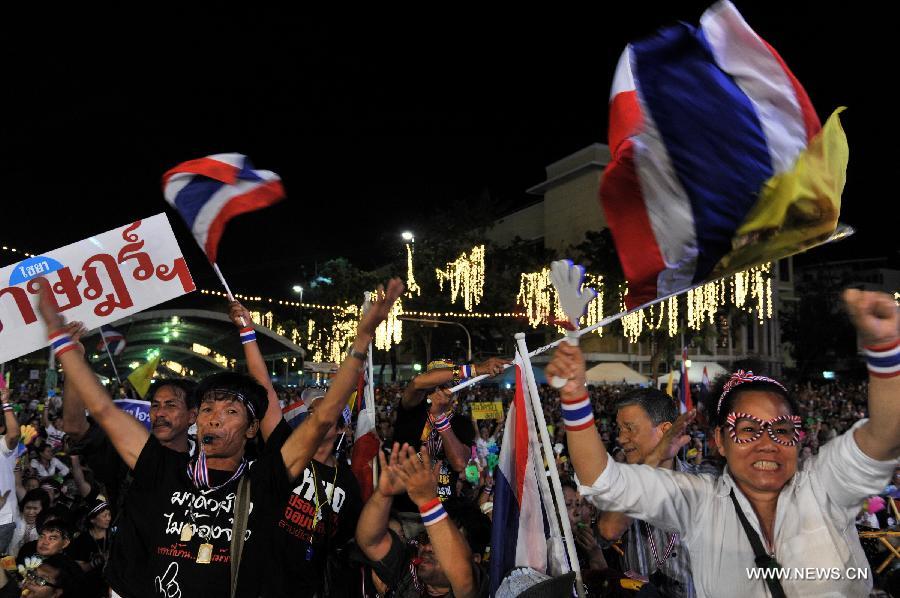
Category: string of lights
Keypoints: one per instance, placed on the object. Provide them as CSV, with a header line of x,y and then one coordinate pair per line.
x,y
466,277
412,287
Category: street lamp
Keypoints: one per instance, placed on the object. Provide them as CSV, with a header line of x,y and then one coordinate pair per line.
x,y
407,236
299,289
466,330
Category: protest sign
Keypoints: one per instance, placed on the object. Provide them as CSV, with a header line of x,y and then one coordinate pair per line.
x,y
139,410
97,281
487,410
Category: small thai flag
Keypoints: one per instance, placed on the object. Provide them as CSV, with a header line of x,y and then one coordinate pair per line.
x,y
295,413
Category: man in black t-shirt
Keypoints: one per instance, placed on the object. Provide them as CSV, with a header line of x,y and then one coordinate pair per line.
x,y
188,504
425,417
314,520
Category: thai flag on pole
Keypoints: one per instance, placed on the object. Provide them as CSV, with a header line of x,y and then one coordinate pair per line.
x,y
210,191
519,534
686,403
295,413
112,339
366,441
708,128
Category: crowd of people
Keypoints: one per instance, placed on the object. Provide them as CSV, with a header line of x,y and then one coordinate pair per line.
x,y
221,497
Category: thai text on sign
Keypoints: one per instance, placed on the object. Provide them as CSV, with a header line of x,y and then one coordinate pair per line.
x,y
97,281
487,410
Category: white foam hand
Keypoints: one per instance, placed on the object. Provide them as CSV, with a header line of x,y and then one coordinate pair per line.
x,y
567,277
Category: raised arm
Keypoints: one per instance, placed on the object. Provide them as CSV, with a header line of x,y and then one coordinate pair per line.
x,y
75,423
877,320
457,453
586,450
256,365
125,432
415,390
300,446
372,535
451,550
9,417
84,489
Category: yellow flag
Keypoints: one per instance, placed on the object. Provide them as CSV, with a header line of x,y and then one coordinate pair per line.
x,y
140,378
669,390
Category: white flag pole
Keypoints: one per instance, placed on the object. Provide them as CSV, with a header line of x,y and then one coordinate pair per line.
x,y
548,452
227,289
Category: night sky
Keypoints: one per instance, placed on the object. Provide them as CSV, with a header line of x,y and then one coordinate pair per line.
x,y
369,121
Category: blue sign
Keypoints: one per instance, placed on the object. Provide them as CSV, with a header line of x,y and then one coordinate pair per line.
x,y
139,410
32,268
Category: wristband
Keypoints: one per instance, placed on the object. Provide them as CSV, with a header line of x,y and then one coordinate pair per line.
x,y
884,361
247,335
61,342
440,423
432,512
464,372
578,414
7,407
487,507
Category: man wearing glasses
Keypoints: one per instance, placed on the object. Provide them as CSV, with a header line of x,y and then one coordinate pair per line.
x,y
54,577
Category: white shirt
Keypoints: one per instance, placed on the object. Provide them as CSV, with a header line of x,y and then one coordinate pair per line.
x,y
10,510
814,521
56,467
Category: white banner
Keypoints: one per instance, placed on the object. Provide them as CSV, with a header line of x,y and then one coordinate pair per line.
x,y
97,281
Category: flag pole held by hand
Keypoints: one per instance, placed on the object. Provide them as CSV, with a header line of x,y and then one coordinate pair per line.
x,y
227,290
567,278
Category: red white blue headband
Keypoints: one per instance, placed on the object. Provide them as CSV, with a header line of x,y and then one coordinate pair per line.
x,y
742,377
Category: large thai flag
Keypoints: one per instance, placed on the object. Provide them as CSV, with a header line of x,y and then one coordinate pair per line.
x,y
702,121
112,339
519,534
210,191
366,441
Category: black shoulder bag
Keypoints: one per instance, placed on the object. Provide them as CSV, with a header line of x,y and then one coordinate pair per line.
x,y
764,560
241,513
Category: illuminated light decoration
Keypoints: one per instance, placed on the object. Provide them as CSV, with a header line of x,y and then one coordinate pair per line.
x,y
897,297
412,287
595,308
673,316
133,365
633,323
390,332
267,320
466,278
221,360
198,348
256,317
536,296
175,367
279,330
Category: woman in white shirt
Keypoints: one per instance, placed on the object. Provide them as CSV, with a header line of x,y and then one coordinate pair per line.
x,y
797,519
46,465
30,507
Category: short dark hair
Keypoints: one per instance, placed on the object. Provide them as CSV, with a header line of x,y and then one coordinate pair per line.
x,y
185,389
659,406
719,414
252,392
57,524
36,495
67,571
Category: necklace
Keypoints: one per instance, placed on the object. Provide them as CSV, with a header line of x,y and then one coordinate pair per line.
x,y
312,465
199,474
672,539
101,549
